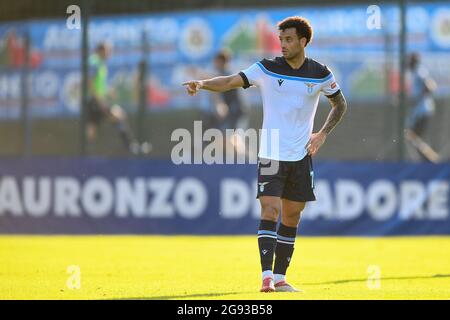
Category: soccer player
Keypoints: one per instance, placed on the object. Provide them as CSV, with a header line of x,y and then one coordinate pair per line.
x,y
99,107
421,100
290,86
229,108
230,99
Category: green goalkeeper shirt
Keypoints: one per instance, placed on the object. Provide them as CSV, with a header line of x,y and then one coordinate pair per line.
x,y
99,76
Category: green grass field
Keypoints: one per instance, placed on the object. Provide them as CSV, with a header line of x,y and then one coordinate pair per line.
x,y
186,267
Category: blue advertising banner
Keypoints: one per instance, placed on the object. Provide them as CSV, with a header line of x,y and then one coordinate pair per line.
x,y
184,43
129,196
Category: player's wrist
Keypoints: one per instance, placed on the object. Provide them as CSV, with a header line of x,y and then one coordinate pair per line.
x,y
323,133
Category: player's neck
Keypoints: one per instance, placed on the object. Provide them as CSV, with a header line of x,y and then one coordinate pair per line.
x,y
297,61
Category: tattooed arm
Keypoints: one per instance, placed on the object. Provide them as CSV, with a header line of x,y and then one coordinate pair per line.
x,y
339,106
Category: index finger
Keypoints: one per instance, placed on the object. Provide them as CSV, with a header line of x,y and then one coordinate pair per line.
x,y
185,83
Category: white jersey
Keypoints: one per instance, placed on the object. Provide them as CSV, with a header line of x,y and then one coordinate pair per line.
x,y
290,98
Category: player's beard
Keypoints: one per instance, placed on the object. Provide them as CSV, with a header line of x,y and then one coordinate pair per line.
x,y
288,55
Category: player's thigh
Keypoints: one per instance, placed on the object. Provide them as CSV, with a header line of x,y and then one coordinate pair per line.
x,y
291,211
420,125
300,181
271,181
271,178
116,113
270,207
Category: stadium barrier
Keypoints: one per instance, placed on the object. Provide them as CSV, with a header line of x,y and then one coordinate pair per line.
x,y
137,196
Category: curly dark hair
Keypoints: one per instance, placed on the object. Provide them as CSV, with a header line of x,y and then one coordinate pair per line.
x,y
300,24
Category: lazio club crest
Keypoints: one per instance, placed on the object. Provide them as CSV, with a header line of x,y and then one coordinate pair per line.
x,y
310,86
261,186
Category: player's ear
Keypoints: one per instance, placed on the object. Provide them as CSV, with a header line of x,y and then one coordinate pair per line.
x,y
303,41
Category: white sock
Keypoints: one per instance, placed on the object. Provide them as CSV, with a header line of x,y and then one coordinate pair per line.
x,y
267,273
279,277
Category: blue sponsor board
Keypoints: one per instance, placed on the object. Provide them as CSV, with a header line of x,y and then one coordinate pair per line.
x,y
104,196
353,42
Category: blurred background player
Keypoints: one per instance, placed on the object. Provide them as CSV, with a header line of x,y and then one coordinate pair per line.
x,y
423,108
228,107
99,106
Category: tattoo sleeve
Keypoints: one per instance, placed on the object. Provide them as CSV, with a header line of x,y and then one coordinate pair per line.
x,y
339,106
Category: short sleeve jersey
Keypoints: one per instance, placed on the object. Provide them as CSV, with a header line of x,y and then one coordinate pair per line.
x,y
290,98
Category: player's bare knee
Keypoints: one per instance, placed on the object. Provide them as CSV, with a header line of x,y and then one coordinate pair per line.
x,y
269,212
290,220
